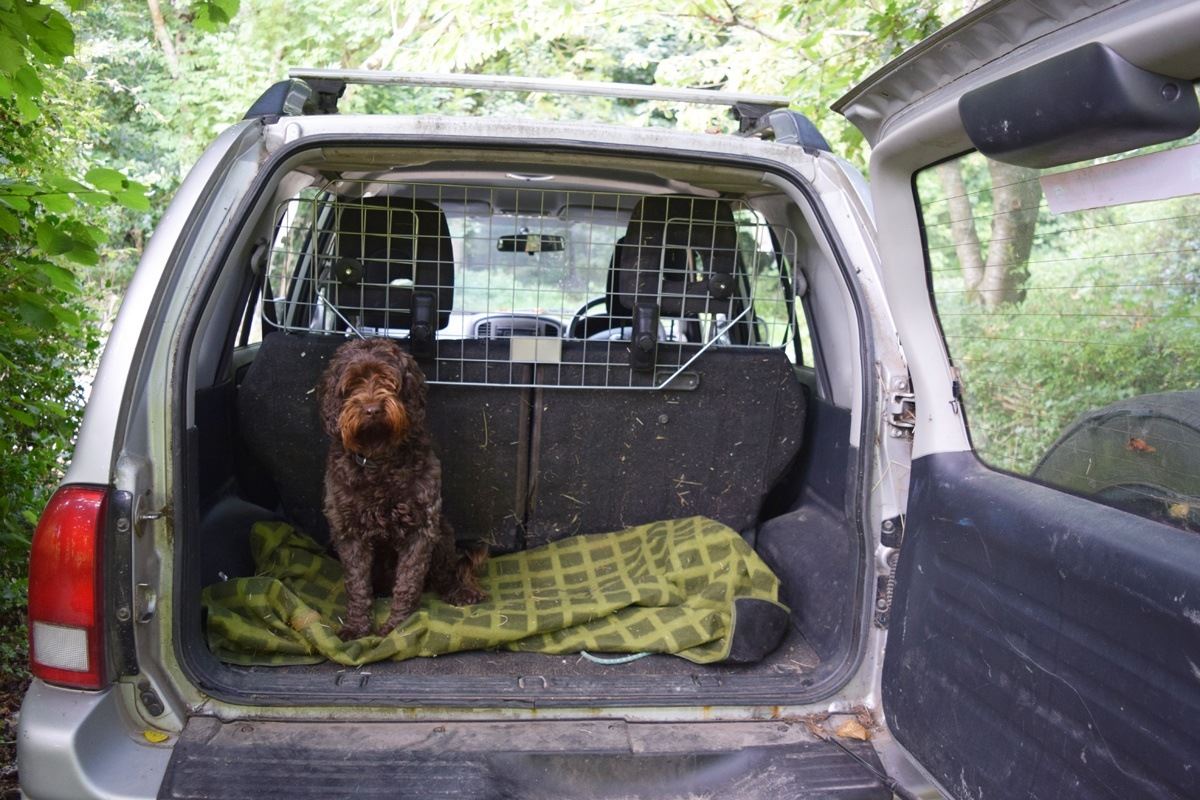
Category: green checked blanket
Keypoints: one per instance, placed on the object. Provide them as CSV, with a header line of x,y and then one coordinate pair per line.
x,y
683,586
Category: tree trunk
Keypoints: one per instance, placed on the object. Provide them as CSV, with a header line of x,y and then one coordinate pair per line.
x,y
999,277
962,229
1016,194
164,37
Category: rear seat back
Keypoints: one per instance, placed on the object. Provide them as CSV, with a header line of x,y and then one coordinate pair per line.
x,y
681,253
607,459
524,467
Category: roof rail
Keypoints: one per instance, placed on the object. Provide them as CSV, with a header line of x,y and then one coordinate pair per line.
x,y
780,125
512,83
316,91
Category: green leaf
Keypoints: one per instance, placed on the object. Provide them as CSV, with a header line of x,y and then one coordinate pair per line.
x,y
83,232
32,12
32,309
27,82
211,15
31,264
23,417
134,199
811,39
27,110
12,55
53,241
95,198
26,514
64,184
56,410
61,278
107,179
6,88
84,254
64,315
55,37
15,202
57,203
9,222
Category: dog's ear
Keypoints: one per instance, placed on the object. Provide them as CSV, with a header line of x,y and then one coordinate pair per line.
x,y
329,398
412,387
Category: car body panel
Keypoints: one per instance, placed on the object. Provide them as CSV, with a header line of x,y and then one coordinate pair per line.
x,y
93,458
1039,642
74,744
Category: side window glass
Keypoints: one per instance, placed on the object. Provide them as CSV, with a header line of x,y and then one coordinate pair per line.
x,y
804,335
766,253
1069,304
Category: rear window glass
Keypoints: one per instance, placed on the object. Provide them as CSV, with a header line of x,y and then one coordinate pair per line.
x,y
1068,300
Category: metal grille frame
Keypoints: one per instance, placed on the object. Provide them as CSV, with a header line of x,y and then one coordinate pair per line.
x,y
521,285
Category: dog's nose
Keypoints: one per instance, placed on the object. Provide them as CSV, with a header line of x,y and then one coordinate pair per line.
x,y
372,409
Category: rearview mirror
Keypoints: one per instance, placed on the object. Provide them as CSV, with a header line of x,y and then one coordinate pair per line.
x,y
531,243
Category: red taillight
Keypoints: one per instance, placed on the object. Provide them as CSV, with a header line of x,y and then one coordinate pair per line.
x,y
65,627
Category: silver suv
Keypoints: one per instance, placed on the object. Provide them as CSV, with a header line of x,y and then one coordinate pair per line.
x,y
957,417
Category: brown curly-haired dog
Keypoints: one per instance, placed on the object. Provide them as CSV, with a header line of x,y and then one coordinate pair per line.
x,y
383,487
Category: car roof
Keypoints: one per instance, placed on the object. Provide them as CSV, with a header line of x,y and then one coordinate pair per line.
x,y
354,131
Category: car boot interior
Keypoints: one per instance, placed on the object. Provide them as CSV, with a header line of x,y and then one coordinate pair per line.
x,y
469,263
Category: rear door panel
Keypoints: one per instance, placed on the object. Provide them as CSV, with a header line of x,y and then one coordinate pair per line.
x,y
1043,645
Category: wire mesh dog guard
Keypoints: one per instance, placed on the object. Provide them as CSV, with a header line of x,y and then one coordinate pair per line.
x,y
530,286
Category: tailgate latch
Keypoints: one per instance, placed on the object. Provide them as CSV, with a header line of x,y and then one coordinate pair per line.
x,y
901,408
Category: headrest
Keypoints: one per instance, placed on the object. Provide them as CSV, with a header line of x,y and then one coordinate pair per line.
x,y
391,250
680,253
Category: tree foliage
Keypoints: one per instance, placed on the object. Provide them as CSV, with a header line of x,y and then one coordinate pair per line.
x,y
168,83
172,100
55,208
51,216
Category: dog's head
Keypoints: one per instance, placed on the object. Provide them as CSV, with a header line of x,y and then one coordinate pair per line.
x,y
371,396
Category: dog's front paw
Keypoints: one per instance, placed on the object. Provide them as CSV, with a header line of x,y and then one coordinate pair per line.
x,y
395,619
350,632
465,596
